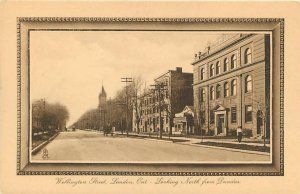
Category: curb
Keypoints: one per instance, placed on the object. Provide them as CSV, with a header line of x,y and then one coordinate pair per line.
x,y
228,149
206,146
39,147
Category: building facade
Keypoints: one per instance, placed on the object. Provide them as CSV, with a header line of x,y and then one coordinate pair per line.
x,y
171,92
184,121
232,86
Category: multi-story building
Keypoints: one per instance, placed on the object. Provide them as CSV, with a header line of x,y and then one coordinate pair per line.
x,y
232,86
171,93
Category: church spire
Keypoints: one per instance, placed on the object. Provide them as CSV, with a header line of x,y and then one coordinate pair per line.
x,y
103,93
102,98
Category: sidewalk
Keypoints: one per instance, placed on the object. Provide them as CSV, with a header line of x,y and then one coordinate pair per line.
x,y
247,144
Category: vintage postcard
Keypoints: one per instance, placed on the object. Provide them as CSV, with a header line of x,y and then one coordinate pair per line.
x,y
150,96
200,99
122,91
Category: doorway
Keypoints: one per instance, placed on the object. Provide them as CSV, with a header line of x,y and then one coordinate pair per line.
x,y
220,125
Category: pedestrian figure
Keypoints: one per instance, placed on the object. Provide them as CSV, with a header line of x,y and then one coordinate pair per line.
x,y
239,134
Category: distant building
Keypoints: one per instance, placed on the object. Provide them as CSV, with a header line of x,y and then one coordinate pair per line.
x,y
232,85
102,98
176,93
184,121
102,108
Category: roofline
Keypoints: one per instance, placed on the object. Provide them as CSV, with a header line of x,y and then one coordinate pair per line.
x,y
222,48
169,71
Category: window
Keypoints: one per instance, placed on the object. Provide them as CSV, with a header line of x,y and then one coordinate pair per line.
x,y
248,84
218,88
202,95
226,89
248,56
233,114
212,69
226,62
212,93
233,87
202,74
248,113
218,68
233,61
167,120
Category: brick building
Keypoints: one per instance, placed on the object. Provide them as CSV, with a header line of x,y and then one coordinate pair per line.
x,y
176,93
232,86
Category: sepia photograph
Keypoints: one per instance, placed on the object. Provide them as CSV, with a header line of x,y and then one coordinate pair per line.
x,y
150,96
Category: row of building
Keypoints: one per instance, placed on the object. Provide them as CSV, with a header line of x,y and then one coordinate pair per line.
x,y
229,87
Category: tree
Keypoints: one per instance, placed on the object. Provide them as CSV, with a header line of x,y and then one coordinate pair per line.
x,y
262,110
136,103
173,100
47,116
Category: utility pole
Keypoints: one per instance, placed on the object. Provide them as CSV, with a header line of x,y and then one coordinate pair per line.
x,y
126,80
121,104
159,87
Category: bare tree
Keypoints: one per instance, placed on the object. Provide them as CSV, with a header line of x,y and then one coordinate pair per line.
x,y
173,101
262,110
136,99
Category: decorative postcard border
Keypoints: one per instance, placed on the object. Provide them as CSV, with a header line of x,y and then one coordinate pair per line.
x,y
165,20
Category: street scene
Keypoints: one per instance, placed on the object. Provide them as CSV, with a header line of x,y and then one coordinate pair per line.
x,y
95,147
166,99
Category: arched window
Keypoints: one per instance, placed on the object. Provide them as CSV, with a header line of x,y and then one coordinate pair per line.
x,y
202,95
212,93
218,88
233,87
202,74
248,83
226,62
248,56
226,89
233,61
218,68
212,69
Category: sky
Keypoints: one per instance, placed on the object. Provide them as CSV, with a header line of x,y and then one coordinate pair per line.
x,y
70,67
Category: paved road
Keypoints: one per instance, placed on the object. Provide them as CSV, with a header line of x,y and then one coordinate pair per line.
x,y
93,146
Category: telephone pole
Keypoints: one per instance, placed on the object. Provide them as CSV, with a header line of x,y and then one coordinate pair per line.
x,y
159,87
126,80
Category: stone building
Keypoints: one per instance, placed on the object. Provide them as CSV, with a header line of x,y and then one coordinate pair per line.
x,y
176,92
232,86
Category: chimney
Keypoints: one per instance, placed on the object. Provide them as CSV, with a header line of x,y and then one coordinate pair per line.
x,y
179,69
